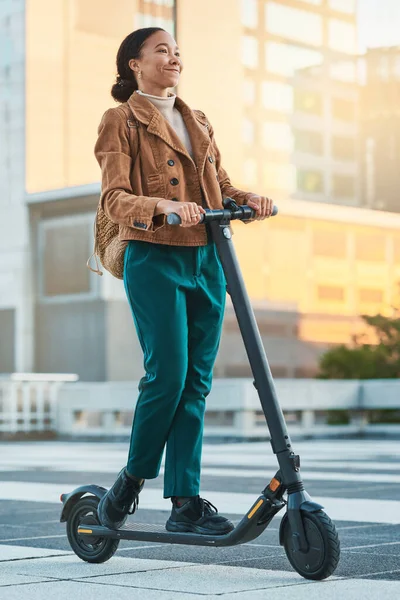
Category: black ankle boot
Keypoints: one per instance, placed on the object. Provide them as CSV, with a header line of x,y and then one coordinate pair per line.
x,y
197,516
120,501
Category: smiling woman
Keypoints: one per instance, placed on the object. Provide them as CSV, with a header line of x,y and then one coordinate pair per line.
x,y
157,157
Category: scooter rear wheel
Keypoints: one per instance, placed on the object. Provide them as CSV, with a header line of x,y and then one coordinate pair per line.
x,y
93,549
322,556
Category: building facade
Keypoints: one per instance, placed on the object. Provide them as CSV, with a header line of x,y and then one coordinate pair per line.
x,y
380,116
327,150
309,273
15,293
286,125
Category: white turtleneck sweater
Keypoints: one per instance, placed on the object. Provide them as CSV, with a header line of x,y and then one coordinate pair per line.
x,y
166,106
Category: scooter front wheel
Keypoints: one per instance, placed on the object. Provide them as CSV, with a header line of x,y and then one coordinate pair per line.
x,y
322,556
93,549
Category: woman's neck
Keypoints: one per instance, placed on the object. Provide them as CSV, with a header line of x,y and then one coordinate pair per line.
x,y
157,92
169,95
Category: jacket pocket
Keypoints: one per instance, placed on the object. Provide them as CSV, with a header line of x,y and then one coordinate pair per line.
x,y
155,185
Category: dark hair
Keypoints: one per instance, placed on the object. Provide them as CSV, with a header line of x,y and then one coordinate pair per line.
x,y
130,48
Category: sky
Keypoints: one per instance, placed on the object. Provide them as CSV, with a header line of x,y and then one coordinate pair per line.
x,y
378,23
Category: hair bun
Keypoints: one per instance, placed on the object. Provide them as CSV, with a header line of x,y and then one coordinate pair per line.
x,y
123,89
125,83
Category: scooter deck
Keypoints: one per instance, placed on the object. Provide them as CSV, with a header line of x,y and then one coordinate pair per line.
x,y
250,527
144,532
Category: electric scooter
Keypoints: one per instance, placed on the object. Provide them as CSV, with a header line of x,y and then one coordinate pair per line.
x,y
307,534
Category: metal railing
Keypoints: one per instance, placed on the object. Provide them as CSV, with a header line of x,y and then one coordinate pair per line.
x,y
233,408
28,401
31,402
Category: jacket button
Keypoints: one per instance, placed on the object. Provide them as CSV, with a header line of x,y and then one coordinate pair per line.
x,y
174,181
175,199
210,158
171,162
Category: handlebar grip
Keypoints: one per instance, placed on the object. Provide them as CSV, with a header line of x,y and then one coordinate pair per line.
x,y
173,219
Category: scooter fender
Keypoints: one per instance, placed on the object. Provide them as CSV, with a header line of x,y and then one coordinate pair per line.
x,y
310,506
69,500
307,506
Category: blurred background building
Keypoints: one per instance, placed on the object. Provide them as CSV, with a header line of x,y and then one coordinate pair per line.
x,y
380,110
299,115
293,123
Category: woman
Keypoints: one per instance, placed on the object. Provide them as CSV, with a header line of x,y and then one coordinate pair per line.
x,y
172,275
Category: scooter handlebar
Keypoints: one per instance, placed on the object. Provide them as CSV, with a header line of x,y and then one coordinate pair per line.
x,y
243,213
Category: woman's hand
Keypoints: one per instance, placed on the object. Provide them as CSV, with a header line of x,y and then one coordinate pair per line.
x,y
189,212
262,205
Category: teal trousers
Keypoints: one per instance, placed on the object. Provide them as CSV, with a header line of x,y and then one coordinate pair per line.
x,y
177,297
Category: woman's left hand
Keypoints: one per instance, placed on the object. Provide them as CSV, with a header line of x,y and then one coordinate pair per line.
x,y
262,205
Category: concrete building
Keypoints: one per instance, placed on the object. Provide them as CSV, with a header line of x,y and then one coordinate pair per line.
x,y
326,128
380,117
309,273
346,130
279,39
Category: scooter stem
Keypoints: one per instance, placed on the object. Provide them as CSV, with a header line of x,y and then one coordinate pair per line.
x,y
263,381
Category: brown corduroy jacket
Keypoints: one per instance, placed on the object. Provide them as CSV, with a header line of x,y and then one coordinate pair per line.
x,y
131,186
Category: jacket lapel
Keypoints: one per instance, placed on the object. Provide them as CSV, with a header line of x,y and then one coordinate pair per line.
x,y
150,116
199,134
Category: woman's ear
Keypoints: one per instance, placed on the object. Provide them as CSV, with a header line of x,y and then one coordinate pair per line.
x,y
133,65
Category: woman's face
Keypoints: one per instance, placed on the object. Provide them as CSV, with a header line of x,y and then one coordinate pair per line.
x,y
160,64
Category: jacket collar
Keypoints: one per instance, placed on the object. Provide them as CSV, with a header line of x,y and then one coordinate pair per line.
x,y
145,112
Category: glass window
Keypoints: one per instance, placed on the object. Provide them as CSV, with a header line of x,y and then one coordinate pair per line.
x,y
149,20
396,244
7,348
396,68
311,142
248,131
284,59
344,71
250,172
249,52
342,36
278,176
344,110
278,136
330,243
384,68
85,17
345,6
331,292
249,13
64,248
308,101
249,92
309,181
343,148
168,3
294,24
343,186
370,247
277,96
370,295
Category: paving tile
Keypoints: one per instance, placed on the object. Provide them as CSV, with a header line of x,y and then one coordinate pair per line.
x,y
65,590
8,552
8,579
204,579
330,589
71,567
